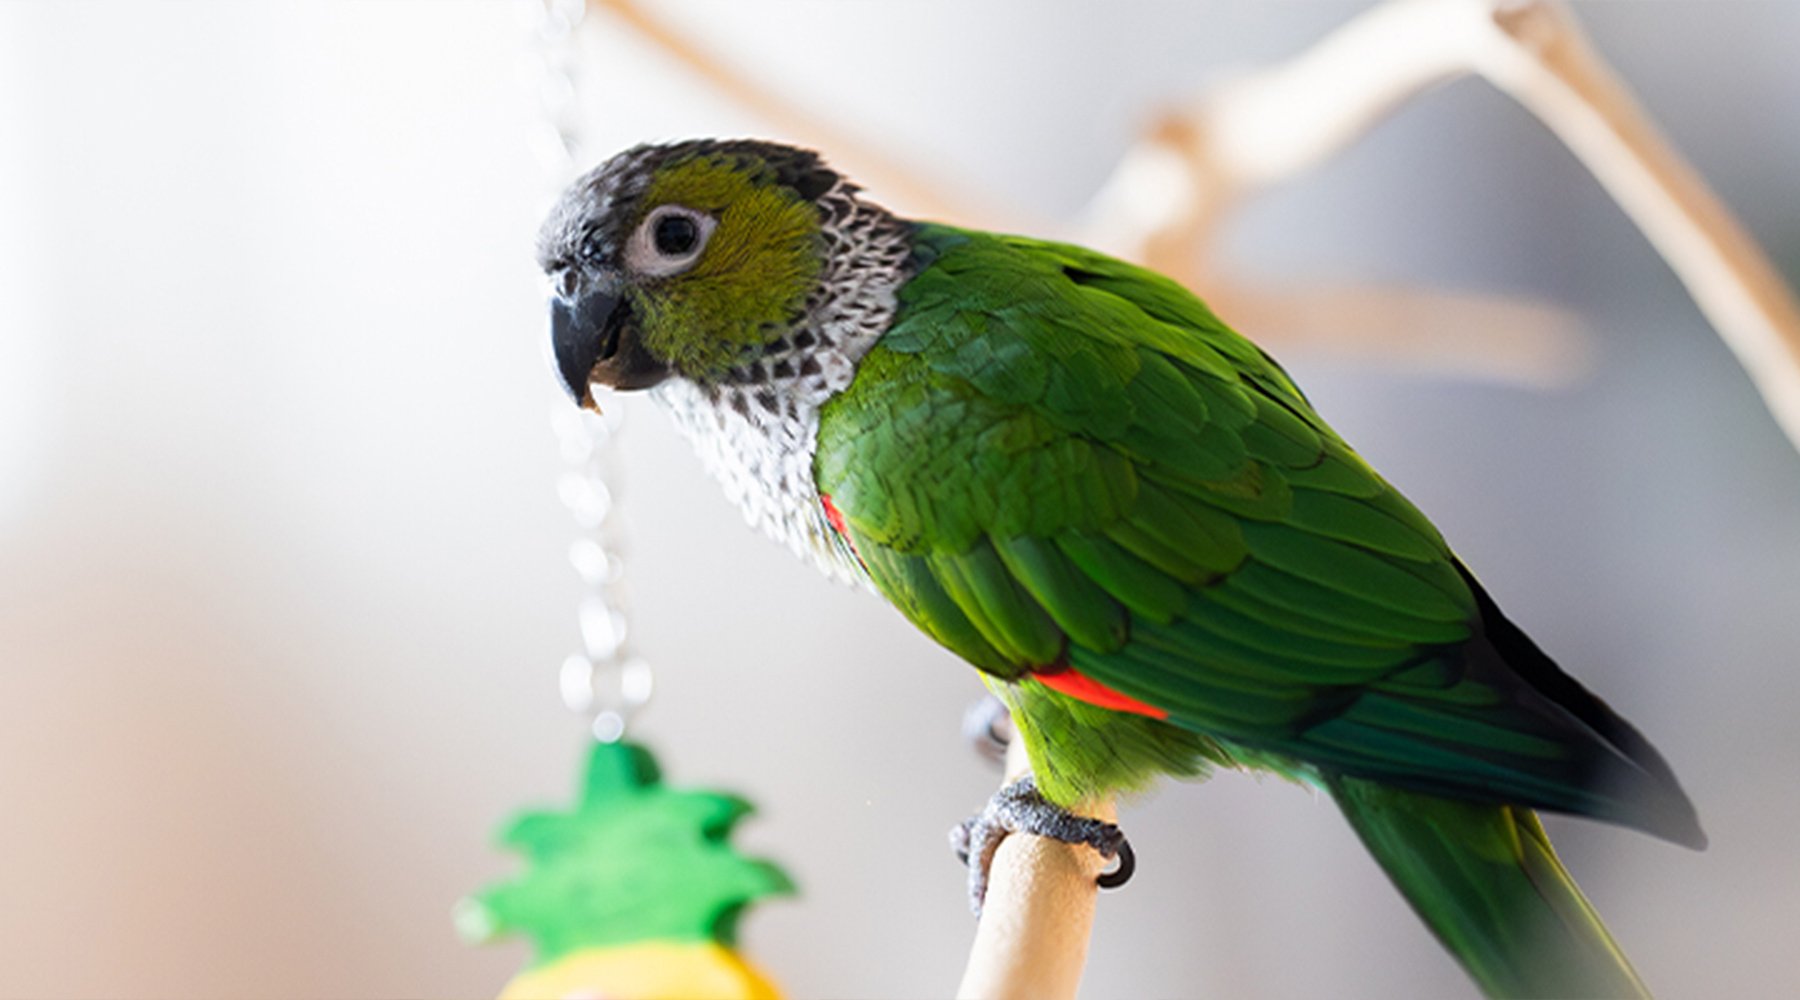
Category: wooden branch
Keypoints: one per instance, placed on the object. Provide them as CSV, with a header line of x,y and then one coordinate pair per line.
x,y
1271,125
1032,941
1172,190
1167,194
1541,58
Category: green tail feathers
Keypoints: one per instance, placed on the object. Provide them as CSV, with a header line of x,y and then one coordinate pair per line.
x,y
1486,881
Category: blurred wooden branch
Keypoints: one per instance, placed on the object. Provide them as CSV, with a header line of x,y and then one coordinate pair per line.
x,y
877,169
1032,941
1463,334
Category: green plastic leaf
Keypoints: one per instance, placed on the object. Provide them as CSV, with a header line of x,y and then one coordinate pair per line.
x,y
634,860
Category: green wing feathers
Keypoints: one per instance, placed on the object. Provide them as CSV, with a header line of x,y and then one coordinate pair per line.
x,y
1056,460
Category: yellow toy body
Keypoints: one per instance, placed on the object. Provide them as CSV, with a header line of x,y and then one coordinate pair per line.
x,y
650,970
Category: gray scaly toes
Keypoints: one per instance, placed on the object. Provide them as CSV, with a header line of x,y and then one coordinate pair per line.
x,y
987,727
1020,808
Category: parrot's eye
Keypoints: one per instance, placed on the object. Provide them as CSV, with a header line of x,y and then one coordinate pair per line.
x,y
676,235
668,241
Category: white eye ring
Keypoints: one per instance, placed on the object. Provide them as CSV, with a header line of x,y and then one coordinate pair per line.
x,y
668,241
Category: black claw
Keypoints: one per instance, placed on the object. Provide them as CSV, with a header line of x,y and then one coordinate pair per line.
x,y
1126,868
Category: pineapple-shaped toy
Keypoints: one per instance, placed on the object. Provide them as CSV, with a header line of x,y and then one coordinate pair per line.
x,y
632,895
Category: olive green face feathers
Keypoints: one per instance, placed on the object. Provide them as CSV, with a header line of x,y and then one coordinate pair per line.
x,y
1070,472
682,259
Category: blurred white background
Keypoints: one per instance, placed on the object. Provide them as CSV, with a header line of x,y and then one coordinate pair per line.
x,y
282,576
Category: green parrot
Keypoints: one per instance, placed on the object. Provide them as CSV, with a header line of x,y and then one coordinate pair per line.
x,y
1069,472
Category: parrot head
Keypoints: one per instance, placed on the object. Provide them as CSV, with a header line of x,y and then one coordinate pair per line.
x,y
744,281
688,260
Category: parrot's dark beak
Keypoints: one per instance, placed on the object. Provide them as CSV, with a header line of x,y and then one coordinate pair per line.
x,y
594,341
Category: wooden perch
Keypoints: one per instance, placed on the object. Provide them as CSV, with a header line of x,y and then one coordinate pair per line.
x,y
1032,941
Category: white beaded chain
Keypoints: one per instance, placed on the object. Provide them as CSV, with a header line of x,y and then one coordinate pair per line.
x,y
606,682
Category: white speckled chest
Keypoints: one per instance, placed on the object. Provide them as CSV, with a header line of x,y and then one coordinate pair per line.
x,y
757,429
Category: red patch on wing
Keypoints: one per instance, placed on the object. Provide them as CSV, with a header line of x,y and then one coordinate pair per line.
x,y
833,515
836,518
1093,692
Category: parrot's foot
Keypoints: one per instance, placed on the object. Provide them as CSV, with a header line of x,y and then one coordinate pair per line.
x,y
988,726
1020,808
